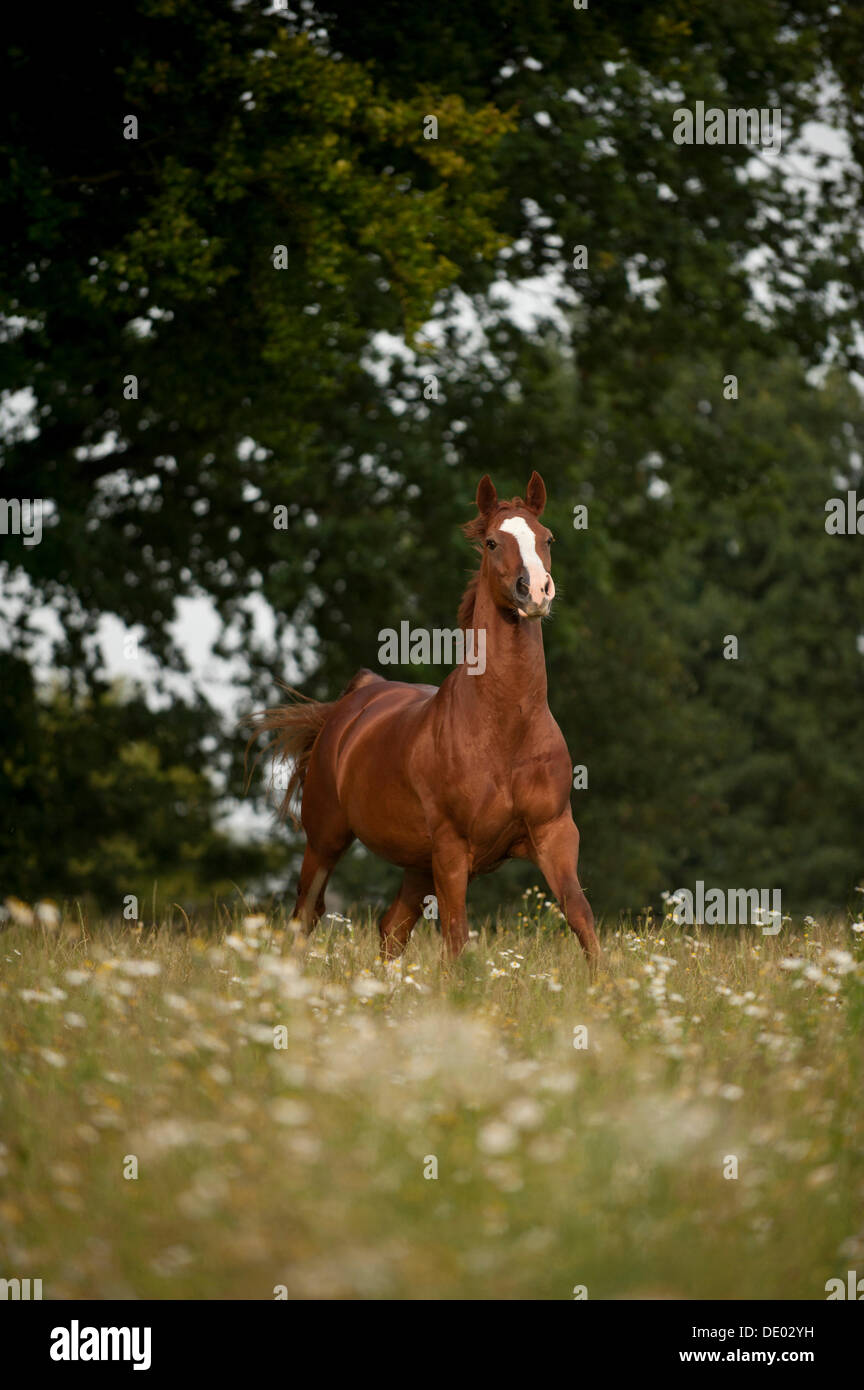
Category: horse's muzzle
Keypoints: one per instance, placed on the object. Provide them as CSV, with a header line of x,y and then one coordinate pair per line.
x,y
527,609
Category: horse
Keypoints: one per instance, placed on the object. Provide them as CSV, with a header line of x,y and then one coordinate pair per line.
x,y
446,782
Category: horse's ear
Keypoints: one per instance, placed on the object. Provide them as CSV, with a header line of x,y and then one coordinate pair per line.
x,y
535,494
486,495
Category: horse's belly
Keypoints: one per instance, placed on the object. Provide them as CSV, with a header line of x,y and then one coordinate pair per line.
x,y
405,851
391,826
385,814
379,799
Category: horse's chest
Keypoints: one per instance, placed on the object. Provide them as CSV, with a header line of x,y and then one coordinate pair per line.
x,y
495,817
507,800
540,790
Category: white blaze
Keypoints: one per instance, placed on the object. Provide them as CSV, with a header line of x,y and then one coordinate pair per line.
x,y
537,574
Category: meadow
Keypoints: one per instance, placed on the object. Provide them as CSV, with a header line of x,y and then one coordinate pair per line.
x,y
317,1125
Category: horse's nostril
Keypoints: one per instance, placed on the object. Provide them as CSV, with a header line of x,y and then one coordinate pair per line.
x,y
522,587
548,585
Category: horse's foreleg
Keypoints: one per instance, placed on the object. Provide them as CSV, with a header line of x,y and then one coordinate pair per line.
x,y
398,921
450,868
555,851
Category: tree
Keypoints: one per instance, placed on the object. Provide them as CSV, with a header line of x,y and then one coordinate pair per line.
x,y
206,422
211,281
153,258
102,798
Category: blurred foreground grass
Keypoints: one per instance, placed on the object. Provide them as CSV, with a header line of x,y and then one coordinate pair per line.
x,y
284,1112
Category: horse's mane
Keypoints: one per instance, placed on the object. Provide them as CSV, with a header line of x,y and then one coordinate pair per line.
x,y
469,598
475,530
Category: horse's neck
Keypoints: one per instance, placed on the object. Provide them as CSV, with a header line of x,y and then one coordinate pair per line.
x,y
512,688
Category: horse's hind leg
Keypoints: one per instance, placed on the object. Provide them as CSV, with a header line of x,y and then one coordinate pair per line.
x,y
398,921
317,867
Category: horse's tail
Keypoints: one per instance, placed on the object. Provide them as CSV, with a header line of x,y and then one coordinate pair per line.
x,y
296,727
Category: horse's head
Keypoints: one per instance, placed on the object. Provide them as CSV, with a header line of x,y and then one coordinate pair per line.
x,y
516,548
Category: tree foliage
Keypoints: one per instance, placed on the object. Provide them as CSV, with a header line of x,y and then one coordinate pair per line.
x,y
261,388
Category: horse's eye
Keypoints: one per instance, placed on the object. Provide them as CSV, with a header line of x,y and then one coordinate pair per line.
x,y
551,540
491,545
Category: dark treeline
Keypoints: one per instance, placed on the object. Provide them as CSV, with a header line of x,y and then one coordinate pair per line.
x,y
692,393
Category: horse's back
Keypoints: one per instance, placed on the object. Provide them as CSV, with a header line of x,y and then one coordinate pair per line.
x,y
366,690
365,678
371,709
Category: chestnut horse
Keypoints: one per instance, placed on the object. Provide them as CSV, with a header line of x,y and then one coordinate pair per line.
x,y
447,782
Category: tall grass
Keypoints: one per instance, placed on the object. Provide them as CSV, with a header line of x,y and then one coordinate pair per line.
x,y
287,1113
